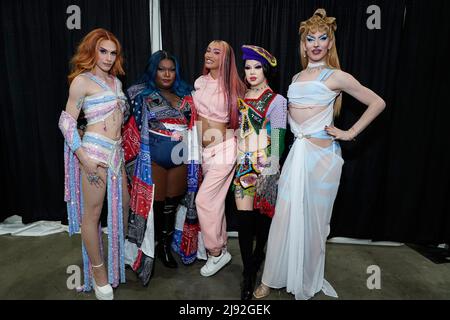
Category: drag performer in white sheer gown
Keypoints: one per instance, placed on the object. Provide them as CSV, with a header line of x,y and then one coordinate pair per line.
x,y
310,177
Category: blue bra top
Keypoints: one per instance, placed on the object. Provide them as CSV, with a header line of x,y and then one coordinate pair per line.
x,y
312,93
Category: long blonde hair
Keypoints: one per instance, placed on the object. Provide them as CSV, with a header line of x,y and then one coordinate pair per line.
x,y
320,22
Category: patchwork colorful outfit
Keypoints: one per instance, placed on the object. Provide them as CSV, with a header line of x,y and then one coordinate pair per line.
x,y
262,118
148,137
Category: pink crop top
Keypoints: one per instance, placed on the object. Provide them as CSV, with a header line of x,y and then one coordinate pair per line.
x,y
209,99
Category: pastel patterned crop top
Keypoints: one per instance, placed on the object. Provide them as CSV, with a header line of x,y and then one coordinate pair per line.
x,y
209,100
98,107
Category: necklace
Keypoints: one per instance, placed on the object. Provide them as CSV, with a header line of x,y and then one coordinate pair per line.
x,y
313,66
258,89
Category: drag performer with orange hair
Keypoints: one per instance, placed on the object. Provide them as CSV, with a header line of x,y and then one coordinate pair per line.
x,y
94,165
310,177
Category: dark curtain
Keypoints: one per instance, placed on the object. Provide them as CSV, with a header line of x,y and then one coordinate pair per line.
x,y
416,203
395,182
189,26
35,49
373,57
386,192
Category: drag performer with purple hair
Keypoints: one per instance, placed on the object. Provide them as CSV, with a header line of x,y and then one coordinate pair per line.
x,y
260,145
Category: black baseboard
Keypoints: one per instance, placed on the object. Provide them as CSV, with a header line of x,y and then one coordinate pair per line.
x,y
432,252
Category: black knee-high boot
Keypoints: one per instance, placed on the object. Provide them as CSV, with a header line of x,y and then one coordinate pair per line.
x,y
262,233
158,219
168,228
246,230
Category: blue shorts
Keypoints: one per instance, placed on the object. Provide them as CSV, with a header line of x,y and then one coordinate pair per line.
x,y
162,151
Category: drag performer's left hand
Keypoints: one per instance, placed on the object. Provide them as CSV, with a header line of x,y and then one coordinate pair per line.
x,y
338,134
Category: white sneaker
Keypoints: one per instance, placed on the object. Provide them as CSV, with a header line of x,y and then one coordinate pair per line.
x,y
214,264
103,293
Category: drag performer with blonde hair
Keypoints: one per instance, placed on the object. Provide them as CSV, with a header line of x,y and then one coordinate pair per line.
x,y
95,165
216,101
260,145
310,177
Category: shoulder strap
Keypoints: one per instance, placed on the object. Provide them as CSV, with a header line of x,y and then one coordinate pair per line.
x,y
325,74
296,77
96,80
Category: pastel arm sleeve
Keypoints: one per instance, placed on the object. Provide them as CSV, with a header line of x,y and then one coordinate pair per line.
x,y
68,126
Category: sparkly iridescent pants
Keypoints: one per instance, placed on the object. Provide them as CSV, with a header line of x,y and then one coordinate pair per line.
x,y
109,151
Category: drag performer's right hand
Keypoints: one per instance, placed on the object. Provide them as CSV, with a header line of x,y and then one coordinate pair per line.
x,y
91,168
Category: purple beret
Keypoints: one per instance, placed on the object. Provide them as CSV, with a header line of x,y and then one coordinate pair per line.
x,y
250,52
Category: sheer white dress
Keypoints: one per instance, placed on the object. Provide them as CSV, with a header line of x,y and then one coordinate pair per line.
x,y
307,189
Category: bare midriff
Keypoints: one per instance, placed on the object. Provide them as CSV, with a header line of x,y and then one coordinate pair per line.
x,y
212,132
113,125
301,114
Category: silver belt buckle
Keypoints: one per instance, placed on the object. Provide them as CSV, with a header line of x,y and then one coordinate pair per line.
x,y
301,136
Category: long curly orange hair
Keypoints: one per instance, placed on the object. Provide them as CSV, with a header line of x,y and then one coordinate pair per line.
x,y
86,56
